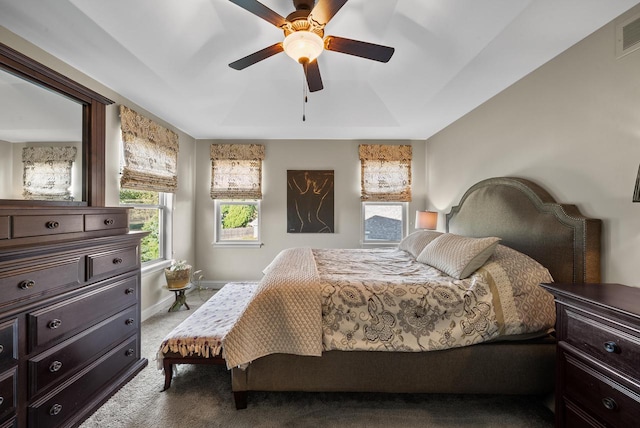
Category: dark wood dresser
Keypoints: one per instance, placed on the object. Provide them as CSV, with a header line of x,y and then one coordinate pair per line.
x,y
69,312
598,357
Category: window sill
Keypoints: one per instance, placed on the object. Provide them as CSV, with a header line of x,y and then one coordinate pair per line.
x,y
237,244
155,266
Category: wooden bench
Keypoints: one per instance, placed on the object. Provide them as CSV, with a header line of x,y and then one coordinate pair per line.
x,y
198,339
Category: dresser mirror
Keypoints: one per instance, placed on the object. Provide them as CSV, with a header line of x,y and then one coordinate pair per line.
x,y
51,136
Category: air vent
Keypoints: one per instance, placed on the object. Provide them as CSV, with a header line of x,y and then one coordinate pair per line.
x,y
628,36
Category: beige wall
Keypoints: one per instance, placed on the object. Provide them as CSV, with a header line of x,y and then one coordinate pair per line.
x,y
6,170
227,264
573,126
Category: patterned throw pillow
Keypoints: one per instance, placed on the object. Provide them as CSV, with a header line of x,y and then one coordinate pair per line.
x,y
416,242
458,256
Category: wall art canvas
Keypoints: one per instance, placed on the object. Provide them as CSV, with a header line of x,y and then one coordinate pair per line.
x,y
310,201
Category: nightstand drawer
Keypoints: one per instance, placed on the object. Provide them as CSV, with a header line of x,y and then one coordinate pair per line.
x,y
613,347
606,399
37,225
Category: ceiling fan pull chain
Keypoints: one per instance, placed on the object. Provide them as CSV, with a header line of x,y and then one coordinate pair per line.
x,y
304,96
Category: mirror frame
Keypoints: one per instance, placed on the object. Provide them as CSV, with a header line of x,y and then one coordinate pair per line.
x,y
93,124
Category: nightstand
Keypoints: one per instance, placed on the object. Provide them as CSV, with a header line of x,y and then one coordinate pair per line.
x,y
598,355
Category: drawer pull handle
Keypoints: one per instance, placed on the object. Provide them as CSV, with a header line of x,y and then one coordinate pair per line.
x,y
611,347
129,321
129,352
1,400
117,261
26,284
1,348
609,403
55,409
52,224
129,291
53,324
55,366
108,222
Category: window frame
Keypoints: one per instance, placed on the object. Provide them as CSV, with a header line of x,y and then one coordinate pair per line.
x,y
380,243
165,229
217,224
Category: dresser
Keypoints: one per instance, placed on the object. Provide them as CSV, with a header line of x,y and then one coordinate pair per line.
x,y
598,355
69,312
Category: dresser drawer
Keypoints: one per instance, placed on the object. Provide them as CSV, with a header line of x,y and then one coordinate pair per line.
x,y
73,315
55,408
38,225
8,393
8,343
618,349
4,227
34,278
106,221
109,263
606,399
68,357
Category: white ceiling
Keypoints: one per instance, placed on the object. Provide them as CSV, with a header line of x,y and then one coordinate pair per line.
x,y
171,58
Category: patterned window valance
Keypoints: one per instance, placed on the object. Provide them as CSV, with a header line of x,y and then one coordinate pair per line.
x,y
385,172
150,154
236,171
47,172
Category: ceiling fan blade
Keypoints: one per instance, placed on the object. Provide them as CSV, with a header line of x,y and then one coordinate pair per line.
x,y
358,48
257,56
312,71
262,11
324,10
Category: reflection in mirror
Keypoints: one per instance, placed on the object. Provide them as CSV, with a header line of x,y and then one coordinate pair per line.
x,y
41,140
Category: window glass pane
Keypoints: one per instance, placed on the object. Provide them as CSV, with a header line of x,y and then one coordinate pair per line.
x,y
147,219
238,222
382,222
139,197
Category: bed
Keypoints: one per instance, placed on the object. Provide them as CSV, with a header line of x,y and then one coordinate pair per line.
x,y
525,218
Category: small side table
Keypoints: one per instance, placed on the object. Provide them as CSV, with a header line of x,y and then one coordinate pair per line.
x,y
181,298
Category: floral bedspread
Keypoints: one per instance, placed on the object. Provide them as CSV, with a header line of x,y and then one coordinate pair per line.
x,y
383,300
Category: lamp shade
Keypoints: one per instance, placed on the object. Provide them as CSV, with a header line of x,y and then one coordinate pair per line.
x,y
426,220
303,44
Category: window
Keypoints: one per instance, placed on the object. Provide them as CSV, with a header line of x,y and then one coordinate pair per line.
x,y
151,213
237,222
383,222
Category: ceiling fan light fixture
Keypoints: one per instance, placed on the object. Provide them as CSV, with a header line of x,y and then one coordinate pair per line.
x,y
303,44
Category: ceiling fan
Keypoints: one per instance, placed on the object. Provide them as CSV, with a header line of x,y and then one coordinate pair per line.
x,y
304,37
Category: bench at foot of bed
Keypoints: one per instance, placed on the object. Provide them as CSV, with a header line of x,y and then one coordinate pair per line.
x,y
198,339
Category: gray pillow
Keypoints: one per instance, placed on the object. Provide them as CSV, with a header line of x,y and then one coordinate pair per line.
x,y
458,256
415,243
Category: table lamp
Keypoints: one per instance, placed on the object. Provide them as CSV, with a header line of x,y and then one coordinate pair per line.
x,y
426,220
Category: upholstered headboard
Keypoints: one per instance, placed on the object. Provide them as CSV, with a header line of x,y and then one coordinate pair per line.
x,y
529,220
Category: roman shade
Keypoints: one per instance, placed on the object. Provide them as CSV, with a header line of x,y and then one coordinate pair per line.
x,y
47,172
236,171
385,172
150,154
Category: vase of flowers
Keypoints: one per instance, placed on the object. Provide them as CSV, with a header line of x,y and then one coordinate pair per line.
x,y
178,274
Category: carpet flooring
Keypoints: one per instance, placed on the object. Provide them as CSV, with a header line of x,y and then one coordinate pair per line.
x,y
200,396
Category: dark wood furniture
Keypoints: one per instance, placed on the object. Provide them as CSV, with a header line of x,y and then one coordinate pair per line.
x,y
69,285
527,219
598,355
69,312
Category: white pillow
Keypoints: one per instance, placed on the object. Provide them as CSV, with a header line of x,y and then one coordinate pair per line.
x,y
416,242
458,256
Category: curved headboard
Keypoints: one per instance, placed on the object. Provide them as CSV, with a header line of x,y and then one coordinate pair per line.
x,y
529,220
